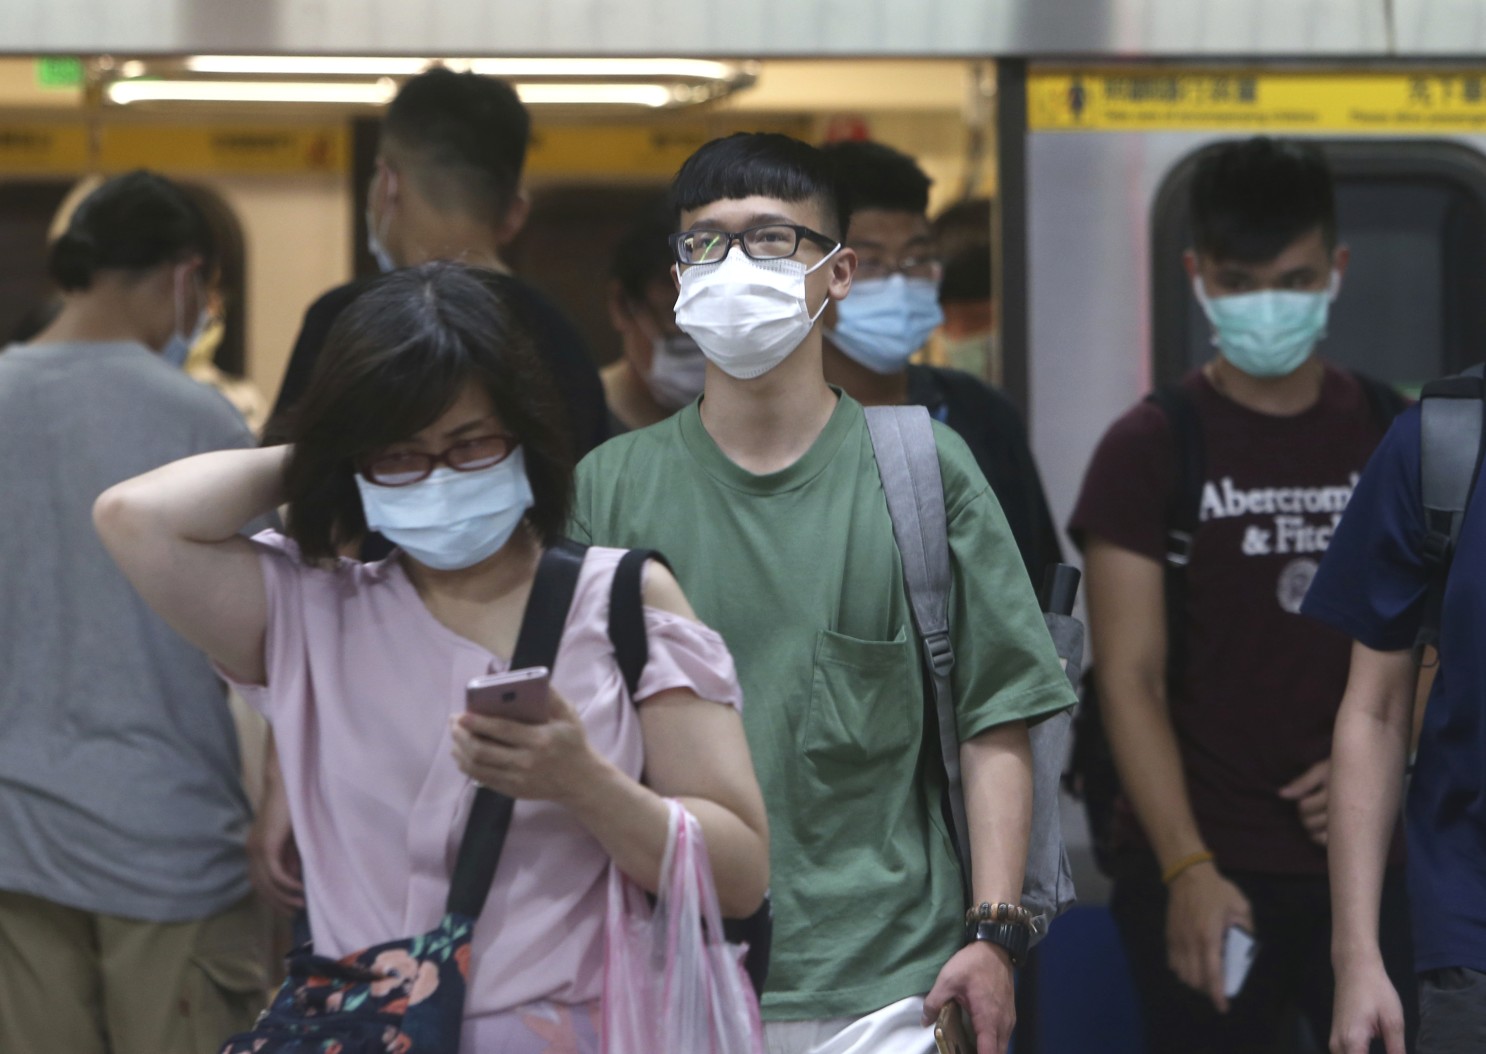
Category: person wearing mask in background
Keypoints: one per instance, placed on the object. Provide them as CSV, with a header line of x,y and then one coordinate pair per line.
x,y
1224,755
126,925
967,341
766,497
660,369
448,187
892,313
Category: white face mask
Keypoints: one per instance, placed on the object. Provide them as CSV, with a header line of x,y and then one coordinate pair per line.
x,y
376,233
747,315
375,246
678,371
451,520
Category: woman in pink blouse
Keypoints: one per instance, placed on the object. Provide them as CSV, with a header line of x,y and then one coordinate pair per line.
x,y
430,420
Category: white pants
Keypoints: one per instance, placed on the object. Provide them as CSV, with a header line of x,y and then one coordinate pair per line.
x,y
894,1029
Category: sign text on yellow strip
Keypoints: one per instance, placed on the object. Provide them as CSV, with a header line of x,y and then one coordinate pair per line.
x,y
1151,99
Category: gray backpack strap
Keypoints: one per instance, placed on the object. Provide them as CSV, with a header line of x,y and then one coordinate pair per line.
x,y
1450,443
908,462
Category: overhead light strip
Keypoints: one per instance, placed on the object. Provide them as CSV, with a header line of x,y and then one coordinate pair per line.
x,y
356,66
372,93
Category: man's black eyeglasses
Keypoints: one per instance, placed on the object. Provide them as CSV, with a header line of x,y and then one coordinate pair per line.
x,y
772,241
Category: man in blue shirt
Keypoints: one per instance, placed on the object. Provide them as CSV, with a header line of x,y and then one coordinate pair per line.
x,y
1372,586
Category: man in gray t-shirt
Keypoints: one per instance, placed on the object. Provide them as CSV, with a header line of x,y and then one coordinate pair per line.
x,y
122,812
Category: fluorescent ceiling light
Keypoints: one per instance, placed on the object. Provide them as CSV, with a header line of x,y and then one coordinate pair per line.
x,y
356,66
652,95
307,66
373,93
696,69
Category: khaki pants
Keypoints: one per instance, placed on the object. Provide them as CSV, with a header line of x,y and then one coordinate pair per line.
x,y
77,982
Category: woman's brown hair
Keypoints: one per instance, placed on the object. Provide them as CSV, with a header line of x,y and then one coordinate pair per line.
x,y
394,361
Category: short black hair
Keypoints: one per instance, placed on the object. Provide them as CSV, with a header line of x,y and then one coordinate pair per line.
x,y
875,176
464,133
762,164
394,362
642,257
133,222
1251,198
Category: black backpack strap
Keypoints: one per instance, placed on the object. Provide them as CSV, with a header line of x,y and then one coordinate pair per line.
x,y
632,652
1451,442
536,645
1189,452
627,615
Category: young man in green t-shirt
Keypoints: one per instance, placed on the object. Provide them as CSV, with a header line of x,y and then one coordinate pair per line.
x,y
766,498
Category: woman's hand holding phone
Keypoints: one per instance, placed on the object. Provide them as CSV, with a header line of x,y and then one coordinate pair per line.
x,y
544,760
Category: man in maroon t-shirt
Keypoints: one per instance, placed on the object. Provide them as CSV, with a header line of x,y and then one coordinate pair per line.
x,y
1224,769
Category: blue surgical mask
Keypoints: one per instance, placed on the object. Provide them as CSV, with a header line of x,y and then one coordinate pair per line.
x,y
1268,333
451,520
883,321
178,348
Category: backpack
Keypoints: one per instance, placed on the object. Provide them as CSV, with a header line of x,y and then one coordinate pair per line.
x,y
1451,442
1093,770
908,463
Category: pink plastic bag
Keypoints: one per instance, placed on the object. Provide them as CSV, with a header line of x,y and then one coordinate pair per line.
x,y
671,985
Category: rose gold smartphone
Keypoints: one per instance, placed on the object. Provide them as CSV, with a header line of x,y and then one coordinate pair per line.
x,y
519,695
950,1034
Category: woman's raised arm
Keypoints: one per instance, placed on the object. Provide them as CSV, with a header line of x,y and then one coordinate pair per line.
x,y
174,534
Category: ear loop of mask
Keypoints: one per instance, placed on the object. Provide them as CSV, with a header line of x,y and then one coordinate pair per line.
x,y
811,270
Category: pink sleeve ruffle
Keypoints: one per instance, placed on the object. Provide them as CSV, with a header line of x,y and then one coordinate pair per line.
x,y
687,654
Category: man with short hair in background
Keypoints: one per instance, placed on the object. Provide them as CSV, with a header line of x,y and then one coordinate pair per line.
x,y
660,369
1224,754
893,312
448,187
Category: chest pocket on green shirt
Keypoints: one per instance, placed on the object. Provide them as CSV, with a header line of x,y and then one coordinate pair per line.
x,y
862,700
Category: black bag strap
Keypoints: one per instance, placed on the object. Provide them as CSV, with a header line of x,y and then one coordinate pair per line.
x,y
1189,450
632,652
627,615
1451,442
536,645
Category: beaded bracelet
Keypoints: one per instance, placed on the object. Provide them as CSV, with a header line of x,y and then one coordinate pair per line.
x,y
1003,912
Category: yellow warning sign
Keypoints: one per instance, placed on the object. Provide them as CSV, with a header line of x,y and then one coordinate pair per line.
x,y
43,149
223,149
1162,99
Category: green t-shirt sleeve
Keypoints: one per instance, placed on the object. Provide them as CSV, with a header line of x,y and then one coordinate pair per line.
x,y
1006,668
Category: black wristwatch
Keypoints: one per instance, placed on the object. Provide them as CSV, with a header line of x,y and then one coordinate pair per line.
x,y
1014,937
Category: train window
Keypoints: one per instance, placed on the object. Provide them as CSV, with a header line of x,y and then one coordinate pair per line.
x,y
1414,214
